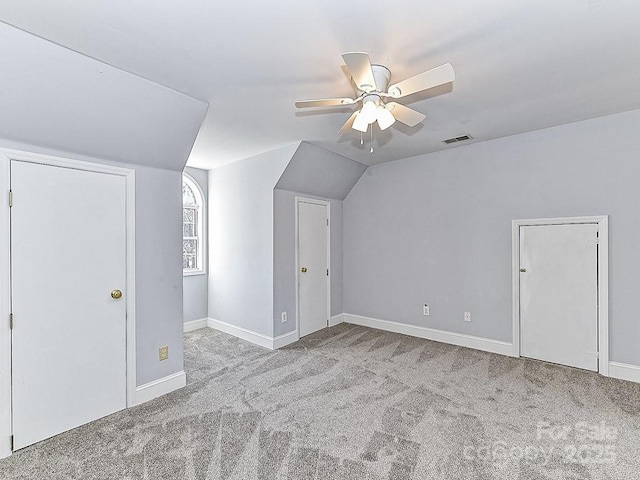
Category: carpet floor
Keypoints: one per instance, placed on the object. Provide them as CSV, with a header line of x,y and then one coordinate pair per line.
x,y
356,403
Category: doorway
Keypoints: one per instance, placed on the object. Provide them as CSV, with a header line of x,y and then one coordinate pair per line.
x,y
312,265
72,353
560,272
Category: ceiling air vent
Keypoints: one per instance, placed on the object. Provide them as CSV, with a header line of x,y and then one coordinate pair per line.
x,y
457,139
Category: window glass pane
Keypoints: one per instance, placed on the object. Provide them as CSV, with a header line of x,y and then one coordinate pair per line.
x,y
188,215
189,253
188,197
188,230
189,261
189,247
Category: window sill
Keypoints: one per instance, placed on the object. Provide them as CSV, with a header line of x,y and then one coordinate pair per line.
x,y
193,273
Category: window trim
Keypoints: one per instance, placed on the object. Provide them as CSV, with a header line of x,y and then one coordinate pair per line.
x,y
202,230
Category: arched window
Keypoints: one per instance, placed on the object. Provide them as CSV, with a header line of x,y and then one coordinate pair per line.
x,y
192,227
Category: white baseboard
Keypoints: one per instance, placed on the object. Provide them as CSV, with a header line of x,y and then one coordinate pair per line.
x,y
192,325
160,387
479,343
243,333
624,371
286,339
460,339
336,319
250,336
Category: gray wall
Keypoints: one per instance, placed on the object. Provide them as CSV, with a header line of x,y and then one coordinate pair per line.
x,y
437,228
195,292
284,260
158,272
241,240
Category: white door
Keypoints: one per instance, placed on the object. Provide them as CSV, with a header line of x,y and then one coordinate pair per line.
x,y
559,294
313,266
68,255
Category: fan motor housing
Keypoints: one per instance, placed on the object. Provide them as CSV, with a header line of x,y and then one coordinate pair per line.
x,y
382,76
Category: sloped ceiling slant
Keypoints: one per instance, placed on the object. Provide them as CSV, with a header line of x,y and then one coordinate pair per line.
x,y
55,98
316,171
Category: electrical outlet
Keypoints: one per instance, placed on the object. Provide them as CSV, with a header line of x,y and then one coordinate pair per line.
x,y
425,310
284,317
467,316
163,352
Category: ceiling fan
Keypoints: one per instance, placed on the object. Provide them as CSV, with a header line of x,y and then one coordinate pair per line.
x,y
373,89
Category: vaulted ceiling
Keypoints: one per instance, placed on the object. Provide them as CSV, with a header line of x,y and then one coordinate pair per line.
x,y
520,65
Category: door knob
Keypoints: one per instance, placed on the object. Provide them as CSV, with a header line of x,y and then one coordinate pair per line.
x,y
116,294
303,269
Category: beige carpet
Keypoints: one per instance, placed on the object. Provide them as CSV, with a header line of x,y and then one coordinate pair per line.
x,y
355,403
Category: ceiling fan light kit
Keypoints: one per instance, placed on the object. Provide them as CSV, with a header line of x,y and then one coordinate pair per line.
x,y
360,123
372,87
385,118
369,110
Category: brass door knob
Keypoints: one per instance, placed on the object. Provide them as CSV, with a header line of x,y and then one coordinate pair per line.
x,y
303,269
116,294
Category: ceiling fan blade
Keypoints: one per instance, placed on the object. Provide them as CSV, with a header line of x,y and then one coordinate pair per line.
x,y
423,81
326,102
359,66
406,115
346,128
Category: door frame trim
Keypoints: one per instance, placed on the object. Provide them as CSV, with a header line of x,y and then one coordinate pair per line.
x,y
327,204
6,155
603,279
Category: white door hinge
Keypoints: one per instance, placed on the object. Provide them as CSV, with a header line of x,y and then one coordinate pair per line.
x,y
11,442
10,198
11,321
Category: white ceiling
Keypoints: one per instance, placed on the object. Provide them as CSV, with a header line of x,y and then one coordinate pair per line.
x,y
520,65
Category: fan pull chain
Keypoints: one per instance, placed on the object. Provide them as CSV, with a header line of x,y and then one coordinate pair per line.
x,y
371,151
361,139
